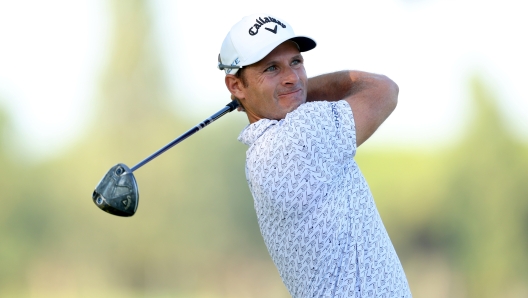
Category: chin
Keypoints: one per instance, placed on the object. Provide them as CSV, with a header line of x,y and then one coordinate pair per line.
x,y
294,105
288,106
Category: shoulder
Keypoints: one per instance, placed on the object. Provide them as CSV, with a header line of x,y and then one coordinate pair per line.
x,y
323,109
336,117
310,124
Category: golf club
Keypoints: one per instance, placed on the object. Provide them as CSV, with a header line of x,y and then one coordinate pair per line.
x,y
117,193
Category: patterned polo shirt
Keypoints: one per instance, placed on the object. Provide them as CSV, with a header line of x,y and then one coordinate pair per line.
x,y
314,208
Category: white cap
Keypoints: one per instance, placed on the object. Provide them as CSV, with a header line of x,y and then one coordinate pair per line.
x,y
254,37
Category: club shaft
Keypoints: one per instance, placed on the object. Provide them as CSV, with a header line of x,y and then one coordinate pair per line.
x,y
228,108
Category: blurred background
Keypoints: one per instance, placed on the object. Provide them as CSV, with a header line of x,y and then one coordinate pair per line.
x,y
87,84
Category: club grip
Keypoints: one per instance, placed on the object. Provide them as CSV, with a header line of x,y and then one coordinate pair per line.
x,y
233,105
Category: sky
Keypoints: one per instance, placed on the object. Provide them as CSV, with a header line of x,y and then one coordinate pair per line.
x,y
52,54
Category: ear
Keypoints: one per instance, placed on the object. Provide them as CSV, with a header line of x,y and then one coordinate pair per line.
x,y
235,86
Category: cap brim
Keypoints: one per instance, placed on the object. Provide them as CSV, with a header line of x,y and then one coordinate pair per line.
x,y
304,43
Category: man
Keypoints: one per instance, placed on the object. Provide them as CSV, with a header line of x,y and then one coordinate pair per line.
x,y
315,210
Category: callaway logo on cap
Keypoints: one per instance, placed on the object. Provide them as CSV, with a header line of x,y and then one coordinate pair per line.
x,y
254,37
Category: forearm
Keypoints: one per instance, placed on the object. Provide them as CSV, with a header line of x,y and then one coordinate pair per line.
x,y
336,86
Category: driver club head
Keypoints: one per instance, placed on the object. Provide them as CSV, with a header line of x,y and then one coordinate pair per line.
x,y
117,193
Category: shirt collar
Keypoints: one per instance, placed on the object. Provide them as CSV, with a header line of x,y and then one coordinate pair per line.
x,y
253,131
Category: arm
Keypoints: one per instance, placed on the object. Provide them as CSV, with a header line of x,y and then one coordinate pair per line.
x,y
372,97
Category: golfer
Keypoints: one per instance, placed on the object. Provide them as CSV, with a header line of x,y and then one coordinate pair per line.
x,y
314,208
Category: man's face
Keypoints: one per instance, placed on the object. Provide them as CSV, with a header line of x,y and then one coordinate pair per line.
x,y
275,86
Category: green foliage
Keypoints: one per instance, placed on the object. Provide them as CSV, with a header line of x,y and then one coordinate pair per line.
x,y
457,216
464,205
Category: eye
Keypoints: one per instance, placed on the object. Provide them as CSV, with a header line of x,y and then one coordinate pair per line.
x,y
271,68
296,62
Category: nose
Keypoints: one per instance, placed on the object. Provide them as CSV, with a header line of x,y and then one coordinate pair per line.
x,y
290,76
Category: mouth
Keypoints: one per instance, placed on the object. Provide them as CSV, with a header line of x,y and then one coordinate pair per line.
x,y
290,93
